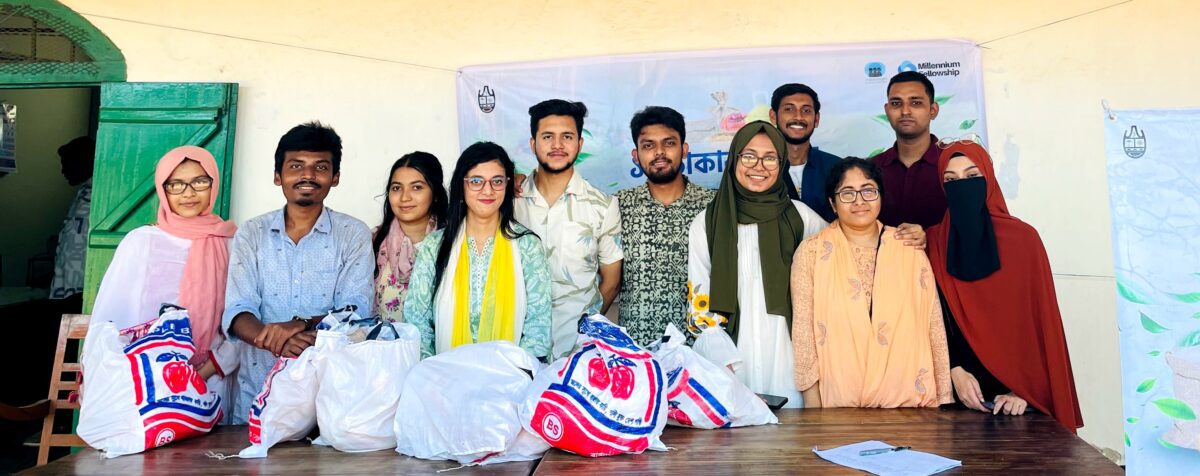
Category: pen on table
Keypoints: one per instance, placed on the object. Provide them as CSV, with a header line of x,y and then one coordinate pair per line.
x,y
879,451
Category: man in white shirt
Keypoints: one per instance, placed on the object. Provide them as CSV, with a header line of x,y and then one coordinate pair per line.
x,y
78,159
579,225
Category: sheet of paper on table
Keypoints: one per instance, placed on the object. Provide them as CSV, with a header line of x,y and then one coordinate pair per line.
x,y
892,463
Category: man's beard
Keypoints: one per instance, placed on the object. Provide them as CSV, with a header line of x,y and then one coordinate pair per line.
x,y
799,141
663,176
551,170
305,202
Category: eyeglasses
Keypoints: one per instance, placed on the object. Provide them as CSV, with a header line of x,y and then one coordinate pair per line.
x,y
971,137
198,184
750,161
476,183
867,194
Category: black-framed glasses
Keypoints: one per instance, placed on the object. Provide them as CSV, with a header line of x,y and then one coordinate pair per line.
x,y
969,138
475,183
177,187
867,194
751,161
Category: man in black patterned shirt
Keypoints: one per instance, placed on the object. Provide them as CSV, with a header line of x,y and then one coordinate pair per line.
x,y
655,217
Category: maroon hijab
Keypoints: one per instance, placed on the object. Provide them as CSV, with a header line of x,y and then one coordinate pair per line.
x,y
1010,317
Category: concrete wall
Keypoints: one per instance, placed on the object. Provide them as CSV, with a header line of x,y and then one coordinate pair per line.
x,y
1043,92
36,198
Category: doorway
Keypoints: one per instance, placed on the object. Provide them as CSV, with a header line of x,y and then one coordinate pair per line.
x,y
52,62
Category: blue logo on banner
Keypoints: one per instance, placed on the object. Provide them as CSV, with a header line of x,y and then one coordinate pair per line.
x,y
874,69
1135,143
906,66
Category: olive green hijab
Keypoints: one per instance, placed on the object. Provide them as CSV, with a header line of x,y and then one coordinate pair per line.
x,y
780,231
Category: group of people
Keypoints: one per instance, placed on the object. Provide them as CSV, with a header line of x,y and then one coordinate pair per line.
x,y
896,281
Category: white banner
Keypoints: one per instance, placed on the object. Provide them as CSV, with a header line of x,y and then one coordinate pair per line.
x,y
717,91
1152,163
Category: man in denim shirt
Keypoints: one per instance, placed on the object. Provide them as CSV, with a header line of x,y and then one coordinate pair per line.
x,y
293,264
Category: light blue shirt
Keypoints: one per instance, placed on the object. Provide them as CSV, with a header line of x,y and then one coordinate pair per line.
x,y
275,279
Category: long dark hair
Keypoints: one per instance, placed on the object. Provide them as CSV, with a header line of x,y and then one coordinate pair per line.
x,y
431,169
456,214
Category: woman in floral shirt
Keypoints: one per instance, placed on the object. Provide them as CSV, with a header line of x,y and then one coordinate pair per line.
x,y
416,206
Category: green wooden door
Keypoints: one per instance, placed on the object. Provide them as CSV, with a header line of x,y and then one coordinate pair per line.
x,y
139,122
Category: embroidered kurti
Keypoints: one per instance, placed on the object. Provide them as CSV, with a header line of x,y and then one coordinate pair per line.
x,y
421,302
391,285
654,240
877,361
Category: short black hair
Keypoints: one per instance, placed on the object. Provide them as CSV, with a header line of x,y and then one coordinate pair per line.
x,y
794,88
912,76
839,169
657,115
556,107
313,137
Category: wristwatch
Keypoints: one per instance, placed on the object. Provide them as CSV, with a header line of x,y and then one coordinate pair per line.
x,y
308,322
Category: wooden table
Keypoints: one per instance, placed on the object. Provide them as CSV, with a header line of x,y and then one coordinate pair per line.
x,y
984,443
187,458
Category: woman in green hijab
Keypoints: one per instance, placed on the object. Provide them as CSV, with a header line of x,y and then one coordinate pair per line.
x,y
739,261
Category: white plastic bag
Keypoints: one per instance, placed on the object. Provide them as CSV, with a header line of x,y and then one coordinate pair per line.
x,y
140,394
462,405
714,344
605,398
286,407
360,387
703,394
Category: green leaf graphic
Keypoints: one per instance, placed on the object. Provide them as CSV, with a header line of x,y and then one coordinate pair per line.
x,y
880,151
582,157
1196,315
1177,409
586,133
1145,386
1166,445
1191,340
964,125
1127,439
1151,326
882,119
1190,298
1154,353
1126,290
942,100
1132,420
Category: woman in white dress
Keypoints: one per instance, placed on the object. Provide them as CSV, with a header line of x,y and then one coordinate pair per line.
x,y
739,262
182,260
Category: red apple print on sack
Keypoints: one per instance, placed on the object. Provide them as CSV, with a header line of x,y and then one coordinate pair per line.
x,y
177,373
622,378
598,373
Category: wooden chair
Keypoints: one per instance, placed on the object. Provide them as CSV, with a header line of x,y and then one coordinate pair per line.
x,y
73,327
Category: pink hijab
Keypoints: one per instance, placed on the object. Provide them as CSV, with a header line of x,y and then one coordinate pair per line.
x,y
202,290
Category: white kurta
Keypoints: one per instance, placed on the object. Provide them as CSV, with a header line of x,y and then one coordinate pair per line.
x,y
764,340
145,273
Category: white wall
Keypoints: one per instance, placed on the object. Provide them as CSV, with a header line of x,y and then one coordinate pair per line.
x,y
1043,92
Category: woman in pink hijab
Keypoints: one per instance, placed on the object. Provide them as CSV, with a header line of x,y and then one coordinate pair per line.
x,y
182,260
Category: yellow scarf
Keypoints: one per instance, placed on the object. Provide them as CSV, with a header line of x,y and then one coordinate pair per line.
x,y
497,310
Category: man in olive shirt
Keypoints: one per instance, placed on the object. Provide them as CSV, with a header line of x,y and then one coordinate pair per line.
x,y
655,217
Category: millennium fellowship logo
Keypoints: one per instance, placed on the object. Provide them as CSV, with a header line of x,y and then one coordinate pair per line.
x,y
1135,143
906,66
487,100
873,69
